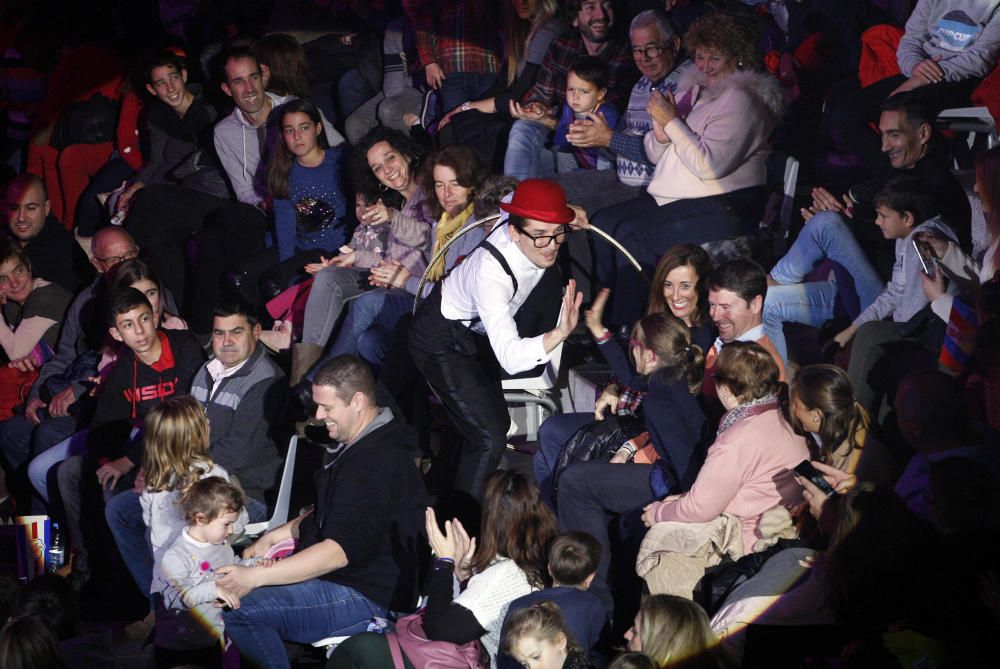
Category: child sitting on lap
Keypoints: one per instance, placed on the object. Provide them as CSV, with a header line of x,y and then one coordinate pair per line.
x,y
189,622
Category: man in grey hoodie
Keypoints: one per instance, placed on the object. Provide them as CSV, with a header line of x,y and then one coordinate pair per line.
x,y
243,137
947,49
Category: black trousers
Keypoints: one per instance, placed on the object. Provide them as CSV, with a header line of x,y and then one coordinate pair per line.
x,y
590,495
464,374
163,218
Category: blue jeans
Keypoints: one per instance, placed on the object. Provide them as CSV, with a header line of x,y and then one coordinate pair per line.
x,y
124,516
826,235
553,434
459,87
527,156
40,467
301,612
21,439
374,309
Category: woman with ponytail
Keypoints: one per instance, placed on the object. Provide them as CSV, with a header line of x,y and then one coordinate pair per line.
x,y
668,369
821,405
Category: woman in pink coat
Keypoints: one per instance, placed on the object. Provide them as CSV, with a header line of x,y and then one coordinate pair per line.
x,y
748,470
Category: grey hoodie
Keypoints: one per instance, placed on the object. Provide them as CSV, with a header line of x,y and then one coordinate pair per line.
x,y
238,145
964,34
904,295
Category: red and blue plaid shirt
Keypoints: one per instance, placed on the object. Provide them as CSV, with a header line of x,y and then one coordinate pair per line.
x,y
458,35
550,84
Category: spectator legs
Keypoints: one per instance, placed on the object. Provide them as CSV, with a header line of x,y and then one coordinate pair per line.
x,y
301,612
869,347
459,87
827,235
809,303
124,516
588,493
527,156
553,434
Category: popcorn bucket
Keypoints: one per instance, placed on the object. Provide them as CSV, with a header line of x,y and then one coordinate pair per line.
x,y
33,535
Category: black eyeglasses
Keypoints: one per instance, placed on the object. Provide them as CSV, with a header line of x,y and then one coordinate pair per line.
x,y
541,241
650,51
114,260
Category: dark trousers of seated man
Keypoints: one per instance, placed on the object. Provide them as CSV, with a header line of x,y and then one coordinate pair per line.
x,y
163,218
882,353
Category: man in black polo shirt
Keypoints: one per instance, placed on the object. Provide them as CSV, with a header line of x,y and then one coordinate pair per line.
x,y
356,554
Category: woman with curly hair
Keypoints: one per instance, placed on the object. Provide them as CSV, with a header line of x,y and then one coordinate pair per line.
x,y
453,175
709,146
385,163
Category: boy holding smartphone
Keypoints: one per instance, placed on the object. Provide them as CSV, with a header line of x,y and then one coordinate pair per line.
x,y
904,208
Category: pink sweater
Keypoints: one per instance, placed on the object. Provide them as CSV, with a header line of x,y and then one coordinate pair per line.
x,y
722,144
747,471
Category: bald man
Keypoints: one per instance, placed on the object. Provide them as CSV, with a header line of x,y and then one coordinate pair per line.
x,y
52,250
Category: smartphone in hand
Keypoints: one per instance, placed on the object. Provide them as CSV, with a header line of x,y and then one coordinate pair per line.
x,y
928,261
810,473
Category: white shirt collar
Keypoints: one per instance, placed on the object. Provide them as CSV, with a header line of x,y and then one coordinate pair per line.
x,y
219,371
753,334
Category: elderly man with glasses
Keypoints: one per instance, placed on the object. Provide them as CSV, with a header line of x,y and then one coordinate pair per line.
x,y
656,51
476,321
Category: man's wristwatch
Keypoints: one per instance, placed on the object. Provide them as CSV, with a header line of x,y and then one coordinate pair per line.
x,y
466,106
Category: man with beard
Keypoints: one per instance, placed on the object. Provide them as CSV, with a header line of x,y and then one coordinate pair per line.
x,y
593,21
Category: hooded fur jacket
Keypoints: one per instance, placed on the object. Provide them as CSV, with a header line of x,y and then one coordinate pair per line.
x,y
720,145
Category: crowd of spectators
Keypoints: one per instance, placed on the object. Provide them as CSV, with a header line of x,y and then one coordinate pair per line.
x,y
220,218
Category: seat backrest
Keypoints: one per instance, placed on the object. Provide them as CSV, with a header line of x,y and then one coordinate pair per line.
x,y
280,515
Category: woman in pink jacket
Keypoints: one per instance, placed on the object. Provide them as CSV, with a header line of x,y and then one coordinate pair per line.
x,y
748,470
709,146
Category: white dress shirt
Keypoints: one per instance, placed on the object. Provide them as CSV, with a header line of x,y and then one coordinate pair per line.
x,y
479,286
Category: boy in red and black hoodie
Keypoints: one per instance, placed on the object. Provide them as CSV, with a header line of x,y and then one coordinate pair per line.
x,y
152,365
156,365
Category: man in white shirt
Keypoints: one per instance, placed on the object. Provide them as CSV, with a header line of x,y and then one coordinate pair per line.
x,y
481,297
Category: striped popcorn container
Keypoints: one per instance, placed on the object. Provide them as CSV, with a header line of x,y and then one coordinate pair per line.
x,y
32,545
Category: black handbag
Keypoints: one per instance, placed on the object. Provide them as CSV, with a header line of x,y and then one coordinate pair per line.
x,y
597,441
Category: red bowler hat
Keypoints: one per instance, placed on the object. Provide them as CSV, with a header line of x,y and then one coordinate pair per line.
x,y
540,200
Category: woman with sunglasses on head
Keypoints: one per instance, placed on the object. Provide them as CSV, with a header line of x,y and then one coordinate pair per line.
x,y
511,272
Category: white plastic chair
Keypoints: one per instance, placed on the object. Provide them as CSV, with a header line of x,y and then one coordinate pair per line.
x,y
280,515
972,120
535,393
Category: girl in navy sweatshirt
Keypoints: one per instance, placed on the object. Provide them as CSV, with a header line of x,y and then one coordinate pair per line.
x,y
303,176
